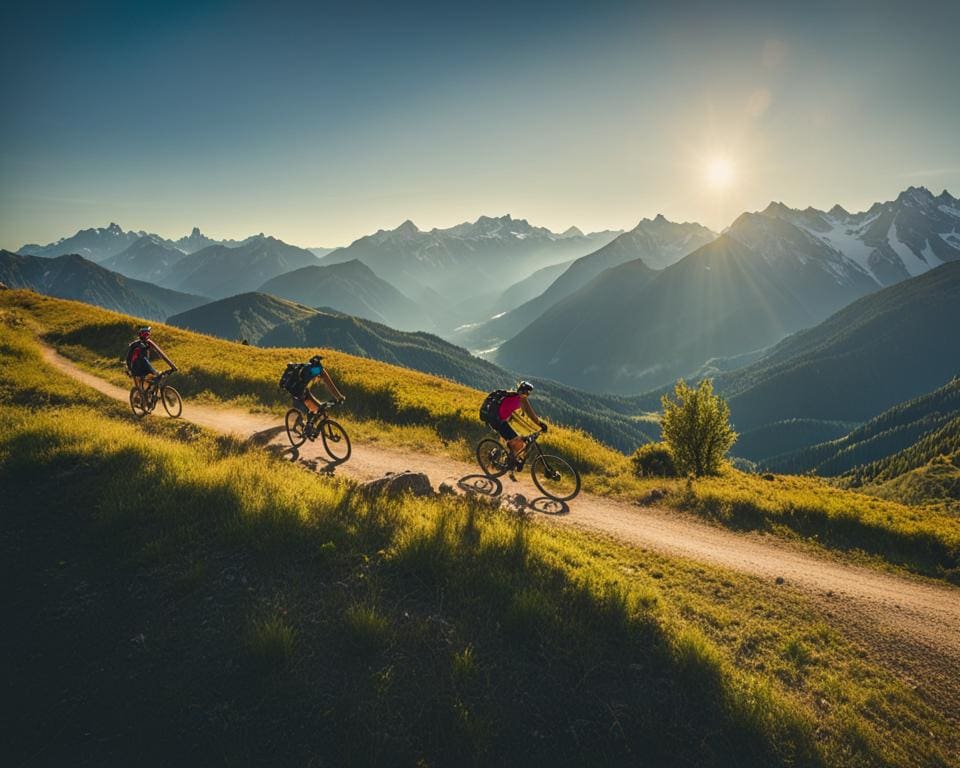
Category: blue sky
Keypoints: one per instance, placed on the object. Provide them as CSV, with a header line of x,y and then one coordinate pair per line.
x,y
320,123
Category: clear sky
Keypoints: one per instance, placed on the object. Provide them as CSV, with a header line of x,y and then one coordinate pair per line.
x,y
319,123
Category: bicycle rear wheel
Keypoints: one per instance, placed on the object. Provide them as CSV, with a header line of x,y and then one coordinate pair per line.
x,y
493,458
137,403
172,402
295,425
335,440
555,477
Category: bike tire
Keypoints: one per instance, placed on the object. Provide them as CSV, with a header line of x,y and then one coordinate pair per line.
x,y
295,425
336,441
555,477
492,457
172,402
137,403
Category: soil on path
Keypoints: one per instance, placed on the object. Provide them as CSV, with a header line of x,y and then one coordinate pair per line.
x,y
910,626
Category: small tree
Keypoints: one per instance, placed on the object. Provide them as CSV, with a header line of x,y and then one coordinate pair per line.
x,y
696,426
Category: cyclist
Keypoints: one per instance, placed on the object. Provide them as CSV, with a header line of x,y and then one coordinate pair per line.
x,y
513,402
138,357
300,389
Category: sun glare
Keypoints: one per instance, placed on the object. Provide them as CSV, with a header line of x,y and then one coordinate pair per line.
x,y
720,173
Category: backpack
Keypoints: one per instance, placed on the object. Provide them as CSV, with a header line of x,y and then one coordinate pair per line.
x,y
133,347
291,377
489,411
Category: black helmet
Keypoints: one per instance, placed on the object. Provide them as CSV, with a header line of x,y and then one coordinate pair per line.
x,y
315,360
143,331
524,386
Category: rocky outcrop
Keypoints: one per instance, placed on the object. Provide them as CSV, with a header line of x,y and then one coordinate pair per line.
x,y
394,484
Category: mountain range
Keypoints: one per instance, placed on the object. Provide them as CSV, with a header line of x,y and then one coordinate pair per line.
x,y
74,277
245,317
657,242
469,259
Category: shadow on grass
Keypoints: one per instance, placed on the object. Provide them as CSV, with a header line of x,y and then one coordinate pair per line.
x,y
547,506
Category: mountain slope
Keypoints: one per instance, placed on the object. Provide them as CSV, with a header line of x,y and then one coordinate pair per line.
x,y
894,430
657,242
148,258
882,350
349,287
220,271
73,277
463,261
247,316
760,281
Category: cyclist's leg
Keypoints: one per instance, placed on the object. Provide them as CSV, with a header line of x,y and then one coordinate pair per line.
x,y
513,440
313,405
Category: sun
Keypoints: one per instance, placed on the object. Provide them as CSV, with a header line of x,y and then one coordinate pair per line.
x,y
720,173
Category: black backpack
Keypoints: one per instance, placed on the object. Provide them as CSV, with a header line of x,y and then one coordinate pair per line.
x,y
291,377
489,411
131,348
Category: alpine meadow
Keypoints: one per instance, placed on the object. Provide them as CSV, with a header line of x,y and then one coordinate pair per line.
x,y
480,384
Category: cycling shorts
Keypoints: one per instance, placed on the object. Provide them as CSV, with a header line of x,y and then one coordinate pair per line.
x,y
504,430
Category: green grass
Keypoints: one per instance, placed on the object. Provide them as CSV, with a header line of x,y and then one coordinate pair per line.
x,y
183,597
402,408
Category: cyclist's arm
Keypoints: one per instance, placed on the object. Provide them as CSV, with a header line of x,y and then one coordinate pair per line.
x,y
528,411
331,387
159,351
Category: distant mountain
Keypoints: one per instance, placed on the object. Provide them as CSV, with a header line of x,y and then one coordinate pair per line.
x,y
657,242
247,316
149,258
883,349
891,241
195,241
73,277
349,287
633,328
220,271
608,419
894,430
95,244
487,255
321,252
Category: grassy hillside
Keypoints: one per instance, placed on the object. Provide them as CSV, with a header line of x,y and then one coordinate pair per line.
x,y
193,599
406,408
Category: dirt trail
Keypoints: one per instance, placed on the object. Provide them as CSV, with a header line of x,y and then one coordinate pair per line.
x,y
911,626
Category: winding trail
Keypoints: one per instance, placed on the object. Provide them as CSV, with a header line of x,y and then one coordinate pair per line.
x,y
909,625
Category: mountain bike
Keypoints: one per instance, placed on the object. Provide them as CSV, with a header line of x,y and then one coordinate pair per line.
x,y
302,427
554,476
144,400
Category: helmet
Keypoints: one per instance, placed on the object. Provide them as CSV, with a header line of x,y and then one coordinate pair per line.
x,y
144,331
524,386
315,360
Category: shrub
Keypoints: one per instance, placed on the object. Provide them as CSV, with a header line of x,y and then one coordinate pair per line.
x,y
654,460
696,426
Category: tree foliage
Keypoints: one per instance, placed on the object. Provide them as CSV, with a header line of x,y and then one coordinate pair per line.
x,y
654,460
696,426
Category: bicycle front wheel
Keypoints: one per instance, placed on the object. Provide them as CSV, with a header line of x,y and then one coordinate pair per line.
x,y
295,425
137,403
493,458
335,441
555,477
172,402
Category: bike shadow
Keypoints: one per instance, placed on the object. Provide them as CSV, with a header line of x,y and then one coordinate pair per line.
x,y
547,506
264,436
291,454
481,485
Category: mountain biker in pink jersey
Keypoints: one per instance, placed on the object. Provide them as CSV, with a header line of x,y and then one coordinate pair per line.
x,y
513,402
